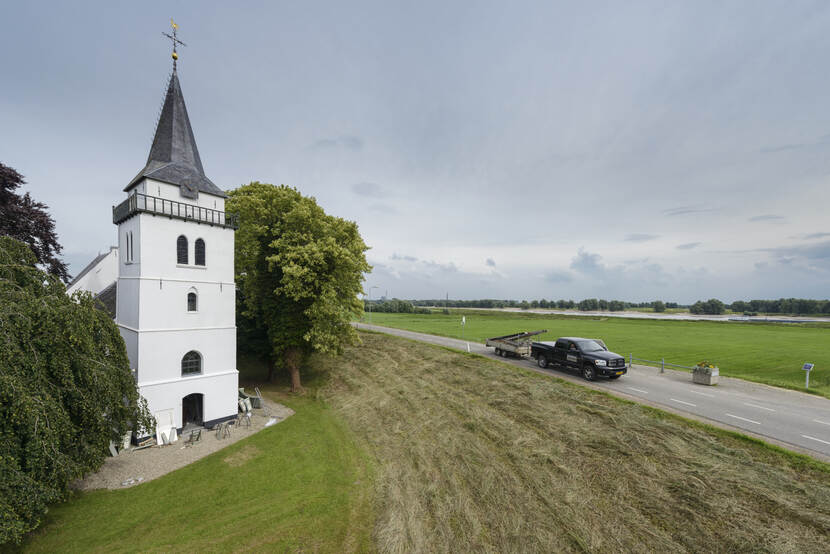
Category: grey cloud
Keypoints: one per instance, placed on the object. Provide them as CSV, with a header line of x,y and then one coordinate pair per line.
x,y
371,190
490,262
558,277
767,217
796,146
686,210
446,268
688,245
816,235
588,263
640,237
383,208
816,256
395,256
349,142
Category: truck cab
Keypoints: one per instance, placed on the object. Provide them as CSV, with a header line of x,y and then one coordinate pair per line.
x,y
590,356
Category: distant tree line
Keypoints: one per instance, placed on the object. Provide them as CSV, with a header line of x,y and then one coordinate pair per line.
x,y
588,304
713,306
782,306
393,306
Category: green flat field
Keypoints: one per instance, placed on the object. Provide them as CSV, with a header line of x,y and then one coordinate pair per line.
x,y
762,352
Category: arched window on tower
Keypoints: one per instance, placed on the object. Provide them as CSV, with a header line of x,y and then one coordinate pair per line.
x,y
191,363
200,252
192,302
181,250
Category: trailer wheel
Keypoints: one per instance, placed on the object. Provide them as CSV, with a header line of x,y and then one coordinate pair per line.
x,y
542,361
498,351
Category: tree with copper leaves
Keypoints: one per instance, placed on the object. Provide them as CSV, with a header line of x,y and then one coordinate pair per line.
x,y
28,221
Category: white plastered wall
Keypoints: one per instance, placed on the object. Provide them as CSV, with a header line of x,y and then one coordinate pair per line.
x,y
152,309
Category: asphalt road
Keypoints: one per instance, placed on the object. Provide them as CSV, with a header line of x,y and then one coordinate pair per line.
x,y
791,419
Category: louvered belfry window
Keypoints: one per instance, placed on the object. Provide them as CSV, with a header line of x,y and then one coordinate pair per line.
x,y
181,250
200,252
191,363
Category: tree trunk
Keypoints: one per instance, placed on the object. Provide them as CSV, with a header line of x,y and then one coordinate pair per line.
x,y
293,358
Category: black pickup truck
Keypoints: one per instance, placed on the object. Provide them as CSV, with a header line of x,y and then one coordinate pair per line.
x,y
590,356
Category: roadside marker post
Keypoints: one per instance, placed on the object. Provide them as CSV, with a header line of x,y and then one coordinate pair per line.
x,y
463,323
808,367
662,365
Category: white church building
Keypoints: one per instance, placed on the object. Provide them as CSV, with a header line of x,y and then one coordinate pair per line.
x,y
170,282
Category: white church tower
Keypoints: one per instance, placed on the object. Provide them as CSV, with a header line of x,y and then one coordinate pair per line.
x,y
175,304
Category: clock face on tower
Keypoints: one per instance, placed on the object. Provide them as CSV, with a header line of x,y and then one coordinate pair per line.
x,y
189,190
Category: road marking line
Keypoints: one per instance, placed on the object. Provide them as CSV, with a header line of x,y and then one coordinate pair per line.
x,y
744,419
702,393
822,422
814,439
683,402
646,392
759,407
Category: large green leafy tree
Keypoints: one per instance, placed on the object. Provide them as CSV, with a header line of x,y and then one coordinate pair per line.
x,y
299,272
65,389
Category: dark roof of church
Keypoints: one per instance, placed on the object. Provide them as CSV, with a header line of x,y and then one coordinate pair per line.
x,y
174,157
106,299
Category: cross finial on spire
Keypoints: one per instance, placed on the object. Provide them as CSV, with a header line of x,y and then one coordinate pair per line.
x,y
175,41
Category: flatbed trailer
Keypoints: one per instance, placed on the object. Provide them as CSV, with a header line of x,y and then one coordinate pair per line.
x,y
516,345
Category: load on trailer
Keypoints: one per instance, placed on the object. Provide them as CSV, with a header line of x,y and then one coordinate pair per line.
x,y
516,345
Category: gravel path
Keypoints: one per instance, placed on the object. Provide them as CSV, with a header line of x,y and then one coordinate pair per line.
x,y
133,467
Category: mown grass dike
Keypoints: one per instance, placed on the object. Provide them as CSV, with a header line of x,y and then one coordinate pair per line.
x,y
478,455
770,353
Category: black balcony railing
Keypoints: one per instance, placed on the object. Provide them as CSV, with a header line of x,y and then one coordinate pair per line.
x,y
137,202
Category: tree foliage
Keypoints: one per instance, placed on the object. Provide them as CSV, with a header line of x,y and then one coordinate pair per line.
x,y
659,306
28,221
299,272
713,306
65,389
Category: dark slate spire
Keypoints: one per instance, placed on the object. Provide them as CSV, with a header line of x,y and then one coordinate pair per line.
x,y
174,157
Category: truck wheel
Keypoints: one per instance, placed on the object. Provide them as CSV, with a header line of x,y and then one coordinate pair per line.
x,y
588,372
542,361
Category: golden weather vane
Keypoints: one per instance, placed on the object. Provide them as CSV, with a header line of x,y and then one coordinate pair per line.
x,y
175,41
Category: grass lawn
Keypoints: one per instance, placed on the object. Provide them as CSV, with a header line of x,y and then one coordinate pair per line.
x,y
301,485
763,352
477,455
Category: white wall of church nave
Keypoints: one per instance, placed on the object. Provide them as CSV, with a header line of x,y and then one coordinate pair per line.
x,y
220,396
164,304
160,353
127,302
99,277
159,237
167,191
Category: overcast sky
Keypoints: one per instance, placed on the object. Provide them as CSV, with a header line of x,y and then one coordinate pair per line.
x,y
631,150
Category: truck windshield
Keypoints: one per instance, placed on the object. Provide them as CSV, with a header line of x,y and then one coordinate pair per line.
x,y
590,346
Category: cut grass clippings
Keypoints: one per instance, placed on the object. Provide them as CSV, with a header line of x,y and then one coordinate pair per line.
x,y
770,353
476,455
